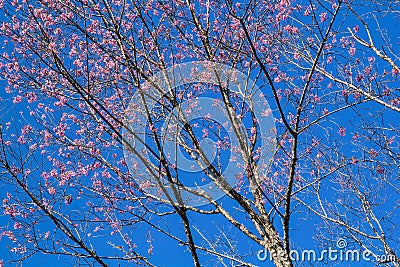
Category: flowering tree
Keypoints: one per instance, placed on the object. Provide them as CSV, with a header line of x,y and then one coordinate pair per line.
x,y
236,121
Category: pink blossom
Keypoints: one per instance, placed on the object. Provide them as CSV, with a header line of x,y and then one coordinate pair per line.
x,y
21,140
17,225
291,29
380,170
52,46
342,131
145,185
97,184
17,99
51,190
266,113
373,153
152,128
307,12
78,63
58,31
205,133
67,200
106,174
359,77
352,51
150,250
322,16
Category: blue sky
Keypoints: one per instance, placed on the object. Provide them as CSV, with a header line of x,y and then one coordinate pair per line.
x,y
167,252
